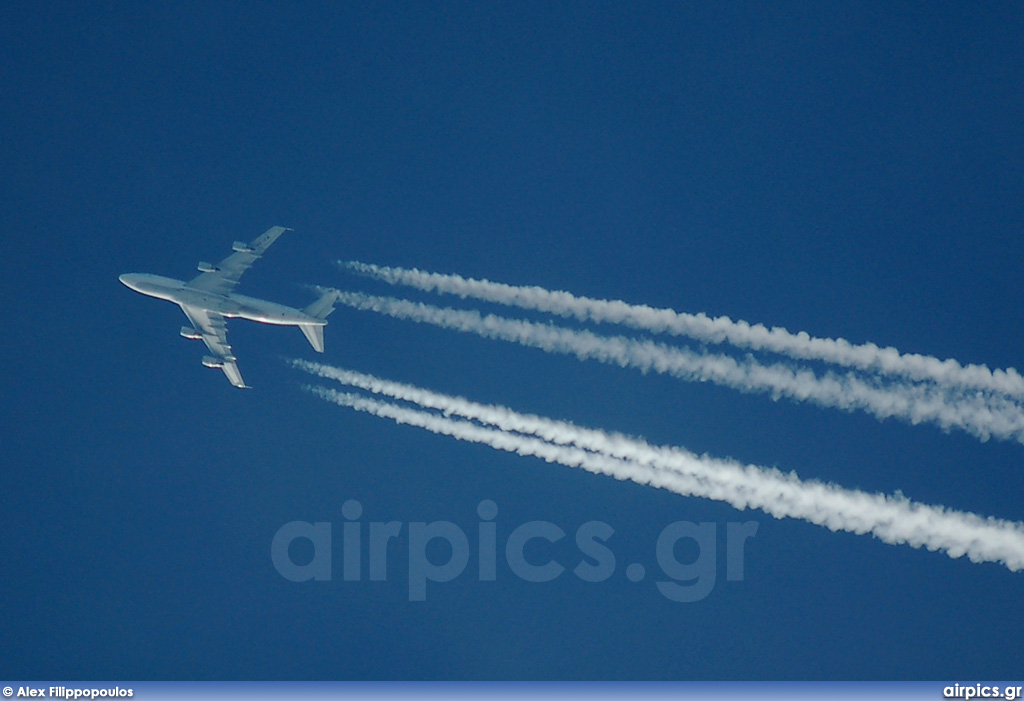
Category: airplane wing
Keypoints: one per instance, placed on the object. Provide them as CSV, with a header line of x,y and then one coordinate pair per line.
x,y
214,332
223,278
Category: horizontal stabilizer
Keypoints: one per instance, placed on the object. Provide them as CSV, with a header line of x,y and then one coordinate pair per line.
x,y
323,307
315,335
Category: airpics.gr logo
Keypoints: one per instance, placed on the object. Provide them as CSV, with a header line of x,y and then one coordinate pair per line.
x,y
684,579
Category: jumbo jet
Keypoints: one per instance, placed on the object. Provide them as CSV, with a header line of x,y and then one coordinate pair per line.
x,y
207,301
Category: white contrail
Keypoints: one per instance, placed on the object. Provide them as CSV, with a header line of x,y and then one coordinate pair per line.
x,y
892,519
980,415
722,329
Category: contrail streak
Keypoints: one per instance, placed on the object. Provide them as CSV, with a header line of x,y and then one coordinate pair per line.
x,y
868,356
892,519
980,415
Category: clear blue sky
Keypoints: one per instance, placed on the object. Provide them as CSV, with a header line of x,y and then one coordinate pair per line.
x,y
853,171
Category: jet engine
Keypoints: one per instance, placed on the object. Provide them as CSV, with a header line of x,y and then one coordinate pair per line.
x,y
242,247
211,362
190,333
205,267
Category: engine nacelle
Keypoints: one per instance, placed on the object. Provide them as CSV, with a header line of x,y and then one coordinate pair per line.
x,y
205,267
241,247
211,362
190,333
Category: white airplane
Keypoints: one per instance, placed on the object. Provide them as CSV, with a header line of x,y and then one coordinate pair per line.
x,y
207,301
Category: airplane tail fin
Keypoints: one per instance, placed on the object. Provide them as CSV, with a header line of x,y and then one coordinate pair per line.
x,y
319,309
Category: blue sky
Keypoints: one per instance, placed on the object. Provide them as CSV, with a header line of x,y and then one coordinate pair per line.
x,y
851,171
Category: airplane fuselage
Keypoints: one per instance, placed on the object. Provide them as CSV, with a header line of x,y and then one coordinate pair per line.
x,y
229,306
